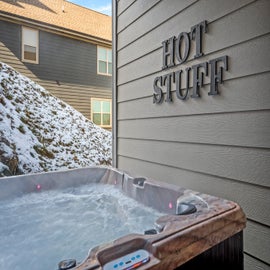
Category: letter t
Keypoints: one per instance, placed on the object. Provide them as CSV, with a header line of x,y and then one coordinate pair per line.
x,y
196,31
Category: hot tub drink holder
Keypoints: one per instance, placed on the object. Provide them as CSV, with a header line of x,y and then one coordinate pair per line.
x,y
196,231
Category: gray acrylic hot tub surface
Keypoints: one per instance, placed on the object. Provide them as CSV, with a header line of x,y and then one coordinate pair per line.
x,y
186,222
40,228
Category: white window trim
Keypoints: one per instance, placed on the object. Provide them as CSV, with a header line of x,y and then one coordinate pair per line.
x,y
107,62
22,46
102,99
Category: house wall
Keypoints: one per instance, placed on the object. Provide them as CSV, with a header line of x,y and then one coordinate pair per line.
x,y
214,144
72,63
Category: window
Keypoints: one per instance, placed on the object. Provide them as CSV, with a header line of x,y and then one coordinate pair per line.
x,y
29,45
104,61
101,112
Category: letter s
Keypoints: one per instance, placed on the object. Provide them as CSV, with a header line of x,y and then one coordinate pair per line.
x,y
158,95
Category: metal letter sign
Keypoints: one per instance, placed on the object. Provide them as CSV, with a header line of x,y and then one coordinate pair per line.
x,y
176,51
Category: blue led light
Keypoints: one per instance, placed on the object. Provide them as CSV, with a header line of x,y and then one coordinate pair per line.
x,y
129,262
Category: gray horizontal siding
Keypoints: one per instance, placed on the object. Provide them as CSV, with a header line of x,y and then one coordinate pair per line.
x,y
124,5
60,58
219,24
131,14
251,263
242,164
10,35
257,235
239,64
71,62
250,93
246,129
78,96
217,145
160,12
68,61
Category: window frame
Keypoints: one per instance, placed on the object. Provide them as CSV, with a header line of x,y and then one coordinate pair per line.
x,y
92,111
107,61
23,43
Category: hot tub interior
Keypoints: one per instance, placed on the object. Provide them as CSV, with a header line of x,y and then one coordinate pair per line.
x,y
154,226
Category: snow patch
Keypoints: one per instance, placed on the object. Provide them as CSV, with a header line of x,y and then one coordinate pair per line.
x,y
39,132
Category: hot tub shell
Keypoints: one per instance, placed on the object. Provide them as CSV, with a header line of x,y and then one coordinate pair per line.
x,y
210,237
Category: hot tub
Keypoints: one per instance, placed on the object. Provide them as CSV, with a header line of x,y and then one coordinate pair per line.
x,y
195,230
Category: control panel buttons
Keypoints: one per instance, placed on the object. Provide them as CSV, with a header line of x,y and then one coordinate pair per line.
x,y
128,262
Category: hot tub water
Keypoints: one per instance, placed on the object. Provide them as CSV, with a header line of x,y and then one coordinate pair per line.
x,y
39,229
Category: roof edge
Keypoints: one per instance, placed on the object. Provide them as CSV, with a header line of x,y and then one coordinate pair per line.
x,y
54,29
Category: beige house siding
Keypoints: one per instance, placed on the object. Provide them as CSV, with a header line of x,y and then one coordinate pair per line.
x,y
214,144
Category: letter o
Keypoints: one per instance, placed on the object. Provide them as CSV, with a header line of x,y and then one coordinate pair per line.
x,y
182,36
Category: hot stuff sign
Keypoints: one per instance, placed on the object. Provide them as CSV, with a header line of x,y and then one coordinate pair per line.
x,y
176,51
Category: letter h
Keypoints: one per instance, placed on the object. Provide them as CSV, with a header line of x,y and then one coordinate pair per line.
x,y
168,53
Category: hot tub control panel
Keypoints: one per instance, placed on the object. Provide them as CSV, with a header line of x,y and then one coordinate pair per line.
x,y
130,261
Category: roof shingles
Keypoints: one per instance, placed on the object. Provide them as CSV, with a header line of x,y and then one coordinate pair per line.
x,y
62,14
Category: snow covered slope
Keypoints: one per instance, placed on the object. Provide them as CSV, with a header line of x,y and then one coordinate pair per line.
x,y
39,132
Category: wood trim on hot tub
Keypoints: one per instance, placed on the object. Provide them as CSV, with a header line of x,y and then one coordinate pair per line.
x,y
182,237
